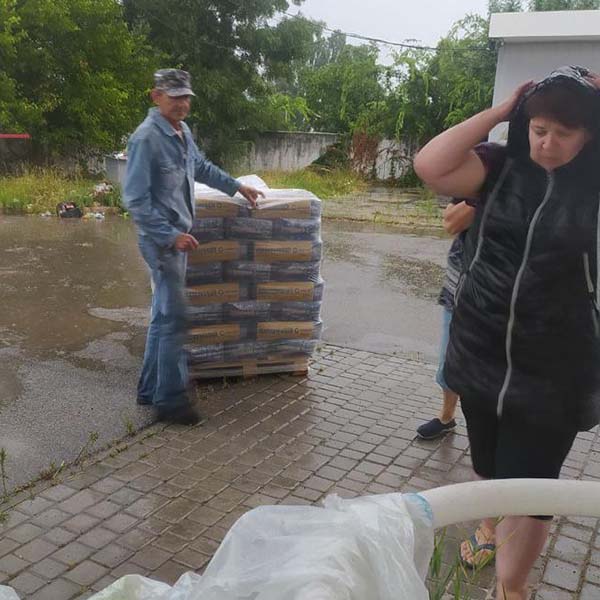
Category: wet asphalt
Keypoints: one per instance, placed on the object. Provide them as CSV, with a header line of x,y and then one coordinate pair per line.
x,y
74,305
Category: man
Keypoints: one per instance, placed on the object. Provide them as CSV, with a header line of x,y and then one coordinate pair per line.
x,y
163,162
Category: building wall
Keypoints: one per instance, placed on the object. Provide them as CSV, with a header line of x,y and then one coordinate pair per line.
x,y
519,62
285,151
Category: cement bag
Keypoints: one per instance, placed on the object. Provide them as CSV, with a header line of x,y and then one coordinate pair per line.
x,y
371,548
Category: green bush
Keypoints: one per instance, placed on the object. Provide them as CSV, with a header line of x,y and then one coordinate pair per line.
x,y
323,182
40,190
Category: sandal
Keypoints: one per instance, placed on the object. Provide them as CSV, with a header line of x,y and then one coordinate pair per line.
x,y
482,554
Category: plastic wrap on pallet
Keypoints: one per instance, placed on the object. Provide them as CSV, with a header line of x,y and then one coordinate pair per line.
x,y
197,355
269,291
264,331
204,273
279,204
296,271
288,330
274,251
219,293
247,311
220,251
220,333
242,228
296,311
253,285
221,205
247,271
208,230
287,204
297,229
288,291
204,315
291,347
246,350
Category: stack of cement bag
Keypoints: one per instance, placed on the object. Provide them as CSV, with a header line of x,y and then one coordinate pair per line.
x,y
254,286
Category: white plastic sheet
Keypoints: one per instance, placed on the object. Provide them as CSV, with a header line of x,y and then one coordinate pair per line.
x,y
201,189
7,593
371,548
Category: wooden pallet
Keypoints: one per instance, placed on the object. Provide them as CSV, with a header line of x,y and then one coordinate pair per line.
x,y
296,365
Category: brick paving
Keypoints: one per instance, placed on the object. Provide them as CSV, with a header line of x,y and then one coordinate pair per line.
x,y
158,504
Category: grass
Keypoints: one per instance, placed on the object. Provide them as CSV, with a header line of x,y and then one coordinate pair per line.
x,y
39,190
451,580
324,183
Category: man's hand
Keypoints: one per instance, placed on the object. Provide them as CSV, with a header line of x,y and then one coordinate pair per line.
x,y
251,194
185,242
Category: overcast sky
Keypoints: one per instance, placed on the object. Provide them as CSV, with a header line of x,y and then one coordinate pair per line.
x,y
394,20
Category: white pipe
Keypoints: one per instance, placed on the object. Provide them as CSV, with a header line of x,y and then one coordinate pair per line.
x,y
503,497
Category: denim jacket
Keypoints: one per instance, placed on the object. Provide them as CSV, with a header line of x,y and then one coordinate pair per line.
x,y
158,169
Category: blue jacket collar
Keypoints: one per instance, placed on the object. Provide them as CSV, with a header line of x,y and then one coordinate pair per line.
x,y
161,122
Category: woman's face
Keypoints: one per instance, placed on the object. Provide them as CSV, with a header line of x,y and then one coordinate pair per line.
x,y
552,144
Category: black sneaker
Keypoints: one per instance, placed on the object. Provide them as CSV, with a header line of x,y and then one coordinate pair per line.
x,y
143,401
183,415
434,429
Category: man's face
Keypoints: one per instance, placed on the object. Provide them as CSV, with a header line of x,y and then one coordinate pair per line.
x,y
172,108
552,144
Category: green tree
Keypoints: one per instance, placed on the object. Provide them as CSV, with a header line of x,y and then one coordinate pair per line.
x,y
542,5
433,91
342,91
234,53
72,74
499,6
17,113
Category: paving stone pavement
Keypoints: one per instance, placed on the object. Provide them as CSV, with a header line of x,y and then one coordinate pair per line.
x,y
159,503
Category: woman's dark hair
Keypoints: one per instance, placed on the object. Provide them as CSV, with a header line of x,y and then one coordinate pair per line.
x,y
571,107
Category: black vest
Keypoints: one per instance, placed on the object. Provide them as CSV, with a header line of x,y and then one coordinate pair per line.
x,y
525,332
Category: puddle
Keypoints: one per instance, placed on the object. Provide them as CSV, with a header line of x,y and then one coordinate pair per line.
x,y
55,273
422,278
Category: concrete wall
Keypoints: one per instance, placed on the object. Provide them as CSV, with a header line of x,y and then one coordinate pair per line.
x,y
521,61
271,151
393,159
285,151
383,160
12,150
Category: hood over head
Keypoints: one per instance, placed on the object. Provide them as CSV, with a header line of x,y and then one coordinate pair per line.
x,y
572,77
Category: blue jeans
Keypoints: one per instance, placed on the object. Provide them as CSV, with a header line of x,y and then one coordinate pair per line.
x,y
446,318
164,376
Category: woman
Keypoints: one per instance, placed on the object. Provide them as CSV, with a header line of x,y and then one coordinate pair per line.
x,y
524,351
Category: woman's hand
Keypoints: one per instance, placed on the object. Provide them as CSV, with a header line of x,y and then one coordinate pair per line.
x,y
504,111
448,164
594,79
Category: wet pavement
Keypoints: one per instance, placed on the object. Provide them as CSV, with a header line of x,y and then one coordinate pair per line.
x,y
159,503
382,288
74,298
74,306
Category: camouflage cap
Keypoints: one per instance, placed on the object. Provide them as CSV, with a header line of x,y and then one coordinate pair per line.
x,y
174,82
